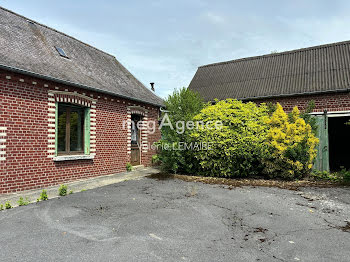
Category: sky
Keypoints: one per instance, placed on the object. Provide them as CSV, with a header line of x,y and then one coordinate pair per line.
x,y
165,41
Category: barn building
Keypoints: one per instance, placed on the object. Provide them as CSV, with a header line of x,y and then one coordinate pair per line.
x,y
293,78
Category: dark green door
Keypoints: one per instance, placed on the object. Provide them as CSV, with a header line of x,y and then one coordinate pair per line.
x,y
322,159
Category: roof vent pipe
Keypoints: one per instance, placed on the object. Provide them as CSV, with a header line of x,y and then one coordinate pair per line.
x,y
152,86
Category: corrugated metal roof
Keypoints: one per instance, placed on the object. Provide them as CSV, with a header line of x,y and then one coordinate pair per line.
x,y
30,46
317,69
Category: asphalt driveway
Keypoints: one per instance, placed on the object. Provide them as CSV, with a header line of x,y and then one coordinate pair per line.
x,y
173,220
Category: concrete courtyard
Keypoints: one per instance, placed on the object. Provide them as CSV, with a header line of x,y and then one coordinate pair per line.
x,y
172,220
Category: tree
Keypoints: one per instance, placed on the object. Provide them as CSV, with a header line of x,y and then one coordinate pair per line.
x,y
182,105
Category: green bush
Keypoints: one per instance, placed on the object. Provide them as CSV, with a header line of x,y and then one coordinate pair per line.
x,y
23,202
181,107
1,207
173,160
291,146
62,190
128,167
345,174
253,140
156,160
324,176
8,205
238,147
43,195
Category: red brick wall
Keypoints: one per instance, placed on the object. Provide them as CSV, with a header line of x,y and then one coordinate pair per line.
x,y
329,102
24,113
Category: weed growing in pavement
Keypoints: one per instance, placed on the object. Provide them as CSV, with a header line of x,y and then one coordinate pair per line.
x,y
128,167
8,205
43,196
62,190
23,202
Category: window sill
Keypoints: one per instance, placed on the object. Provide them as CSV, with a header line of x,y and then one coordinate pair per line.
x,y
73,157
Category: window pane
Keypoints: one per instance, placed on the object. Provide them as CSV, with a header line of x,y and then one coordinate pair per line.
x,y
135,139
62,116
133,134
76,129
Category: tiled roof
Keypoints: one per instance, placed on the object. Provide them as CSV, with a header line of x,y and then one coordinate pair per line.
x,y
318,69
31,47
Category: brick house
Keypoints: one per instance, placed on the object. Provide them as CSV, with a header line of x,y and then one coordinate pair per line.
x,y
293,78
65,109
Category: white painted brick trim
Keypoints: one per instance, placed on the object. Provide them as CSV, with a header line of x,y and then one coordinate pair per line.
x,y
2,143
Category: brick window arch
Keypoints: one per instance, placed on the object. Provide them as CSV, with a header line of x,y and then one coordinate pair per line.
x,y
79,103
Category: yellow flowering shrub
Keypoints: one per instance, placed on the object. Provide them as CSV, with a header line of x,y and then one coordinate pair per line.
x,y
291,145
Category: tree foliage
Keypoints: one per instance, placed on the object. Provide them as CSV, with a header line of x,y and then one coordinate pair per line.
x,y
181,107
291,145
237,147
252,140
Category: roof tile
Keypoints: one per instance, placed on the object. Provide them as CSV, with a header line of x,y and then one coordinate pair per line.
x,y
323,68
30,46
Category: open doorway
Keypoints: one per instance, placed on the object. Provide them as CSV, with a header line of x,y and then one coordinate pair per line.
x,y
339,142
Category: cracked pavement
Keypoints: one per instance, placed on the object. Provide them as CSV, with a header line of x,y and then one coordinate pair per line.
x,y
173,220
